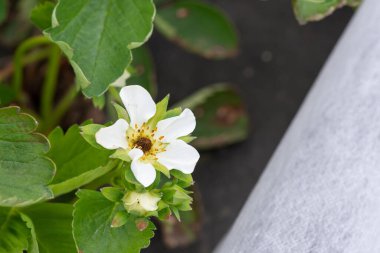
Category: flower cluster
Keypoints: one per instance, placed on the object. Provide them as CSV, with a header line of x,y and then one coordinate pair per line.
x,y
148,139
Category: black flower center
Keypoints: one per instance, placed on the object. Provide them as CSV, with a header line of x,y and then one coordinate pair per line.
x,y
144,144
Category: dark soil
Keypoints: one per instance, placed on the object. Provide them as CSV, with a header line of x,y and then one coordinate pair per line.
x,y
277,64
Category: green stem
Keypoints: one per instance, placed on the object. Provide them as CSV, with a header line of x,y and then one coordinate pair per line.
x,y
34,56
50,83
60,110
115,94
18,60
83,179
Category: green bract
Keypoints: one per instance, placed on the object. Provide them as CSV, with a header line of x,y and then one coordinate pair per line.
x,y
97,36
25,170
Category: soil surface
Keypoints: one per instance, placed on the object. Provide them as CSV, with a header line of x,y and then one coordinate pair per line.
x,y
277,64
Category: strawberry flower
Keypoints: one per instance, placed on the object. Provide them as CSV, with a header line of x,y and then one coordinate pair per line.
x,y
150,145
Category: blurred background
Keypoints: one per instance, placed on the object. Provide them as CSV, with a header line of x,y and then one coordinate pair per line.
x,y
277,63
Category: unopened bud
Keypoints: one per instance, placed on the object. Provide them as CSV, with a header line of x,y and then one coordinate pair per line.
x,y
141,224
119,219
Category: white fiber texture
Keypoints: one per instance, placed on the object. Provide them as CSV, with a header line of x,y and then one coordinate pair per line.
x,y
320,192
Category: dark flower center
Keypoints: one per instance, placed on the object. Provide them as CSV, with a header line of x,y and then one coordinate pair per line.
x,y
144,144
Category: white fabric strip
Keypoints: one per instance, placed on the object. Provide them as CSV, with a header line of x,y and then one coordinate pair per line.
x,y
320,193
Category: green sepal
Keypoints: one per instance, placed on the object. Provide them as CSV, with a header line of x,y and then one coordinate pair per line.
x,y
187,139
176,213
119,219
113,194
184,180
161,108
161,168
164,213
130,178
176,196
156,182
88,132
121,112
121,154
173,112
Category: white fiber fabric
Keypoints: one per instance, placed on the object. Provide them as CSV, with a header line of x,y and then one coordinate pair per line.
x,y
320,193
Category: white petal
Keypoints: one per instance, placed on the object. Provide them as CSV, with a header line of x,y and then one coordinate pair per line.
x,y
135,153
139,104
179,155
144,172
148,201
131,198
175,127
113,137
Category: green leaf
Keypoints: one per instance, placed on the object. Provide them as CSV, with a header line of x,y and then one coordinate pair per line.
x,y
32,237
312,10
93,215
14,233
198,27
25,171
75,158
97,36
143,70
52,225
221,116
73,155
3,10
7,94
41,15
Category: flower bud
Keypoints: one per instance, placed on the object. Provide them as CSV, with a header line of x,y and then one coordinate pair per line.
x,y
141,224
140,203
119,219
